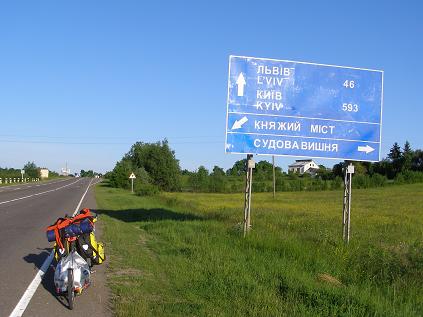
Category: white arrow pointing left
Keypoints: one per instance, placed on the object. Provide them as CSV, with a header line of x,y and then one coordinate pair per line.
x,y
366,149
238,123
241,83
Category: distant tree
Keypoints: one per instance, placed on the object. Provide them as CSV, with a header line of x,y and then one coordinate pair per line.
x,y
324,173
395,155
108,174
53,174
10,172
217,171
238,168
338,169
159,161
89,173
407,157
407,148
119,177
199,179
217,180
417,161
359,168
369,167
384,167
263,171
395,152
31,170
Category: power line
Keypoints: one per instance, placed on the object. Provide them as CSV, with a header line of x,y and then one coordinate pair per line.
x,y
102,137
98,143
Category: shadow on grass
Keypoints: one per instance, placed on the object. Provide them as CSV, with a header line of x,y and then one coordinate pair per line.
x,y
148,215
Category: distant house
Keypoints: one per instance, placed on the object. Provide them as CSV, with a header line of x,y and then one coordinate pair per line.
x,y
65,171
43,173
303,166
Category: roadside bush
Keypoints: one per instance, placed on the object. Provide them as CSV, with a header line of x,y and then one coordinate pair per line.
x,y
408,177
159,160
361,181
120,175
378,180
235,188
217,184
259,187
145,189
337,183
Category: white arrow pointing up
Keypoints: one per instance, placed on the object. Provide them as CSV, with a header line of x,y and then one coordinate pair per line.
x,y
238,123
366,149
241,83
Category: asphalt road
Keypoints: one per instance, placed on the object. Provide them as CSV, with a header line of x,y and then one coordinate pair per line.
x,y
25,212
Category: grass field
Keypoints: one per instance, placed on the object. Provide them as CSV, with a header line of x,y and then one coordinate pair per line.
x,y
183,254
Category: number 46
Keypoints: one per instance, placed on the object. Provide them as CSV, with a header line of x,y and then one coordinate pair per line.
x,y
349,84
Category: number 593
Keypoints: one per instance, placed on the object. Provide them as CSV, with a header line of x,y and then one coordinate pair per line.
x,y
350,107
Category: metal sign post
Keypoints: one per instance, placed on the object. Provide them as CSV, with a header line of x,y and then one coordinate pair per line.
x,y
346,213
132,177
274,177
247,201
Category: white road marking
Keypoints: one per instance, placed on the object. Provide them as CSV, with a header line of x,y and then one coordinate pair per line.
x,y
37,194
82,198
30,291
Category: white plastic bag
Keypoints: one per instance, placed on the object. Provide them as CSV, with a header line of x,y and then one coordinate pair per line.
x,y
81,273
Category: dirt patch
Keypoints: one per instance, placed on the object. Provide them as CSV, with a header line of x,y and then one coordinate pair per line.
x,y
127,272
329,279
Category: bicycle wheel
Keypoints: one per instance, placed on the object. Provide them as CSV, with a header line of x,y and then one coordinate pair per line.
x,y
71,293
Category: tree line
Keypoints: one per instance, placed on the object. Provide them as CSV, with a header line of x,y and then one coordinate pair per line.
x,y
30,168
157,169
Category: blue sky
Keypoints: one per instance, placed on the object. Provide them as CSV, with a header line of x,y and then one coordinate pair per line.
x,y
81,81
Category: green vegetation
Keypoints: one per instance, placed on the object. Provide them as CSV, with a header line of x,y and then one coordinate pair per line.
x,y
157,168
183,254
31,171
154,164
89,173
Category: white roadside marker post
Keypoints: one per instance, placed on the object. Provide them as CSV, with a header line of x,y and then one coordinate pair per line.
x,y
132,177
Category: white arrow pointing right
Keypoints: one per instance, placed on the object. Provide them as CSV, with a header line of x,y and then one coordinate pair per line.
x,y
366,149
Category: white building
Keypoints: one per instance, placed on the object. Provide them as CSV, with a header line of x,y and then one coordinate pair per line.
x,y
303,166
43,173
66,171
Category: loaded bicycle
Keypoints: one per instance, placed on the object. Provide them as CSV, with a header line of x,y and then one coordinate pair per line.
x,y
76,251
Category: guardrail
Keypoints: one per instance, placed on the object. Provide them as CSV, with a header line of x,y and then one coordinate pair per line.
x,y
17,180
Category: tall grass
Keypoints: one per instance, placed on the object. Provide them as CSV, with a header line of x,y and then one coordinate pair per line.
x,y
183,254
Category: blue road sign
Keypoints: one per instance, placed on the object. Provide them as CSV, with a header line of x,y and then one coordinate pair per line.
x,y
279,107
